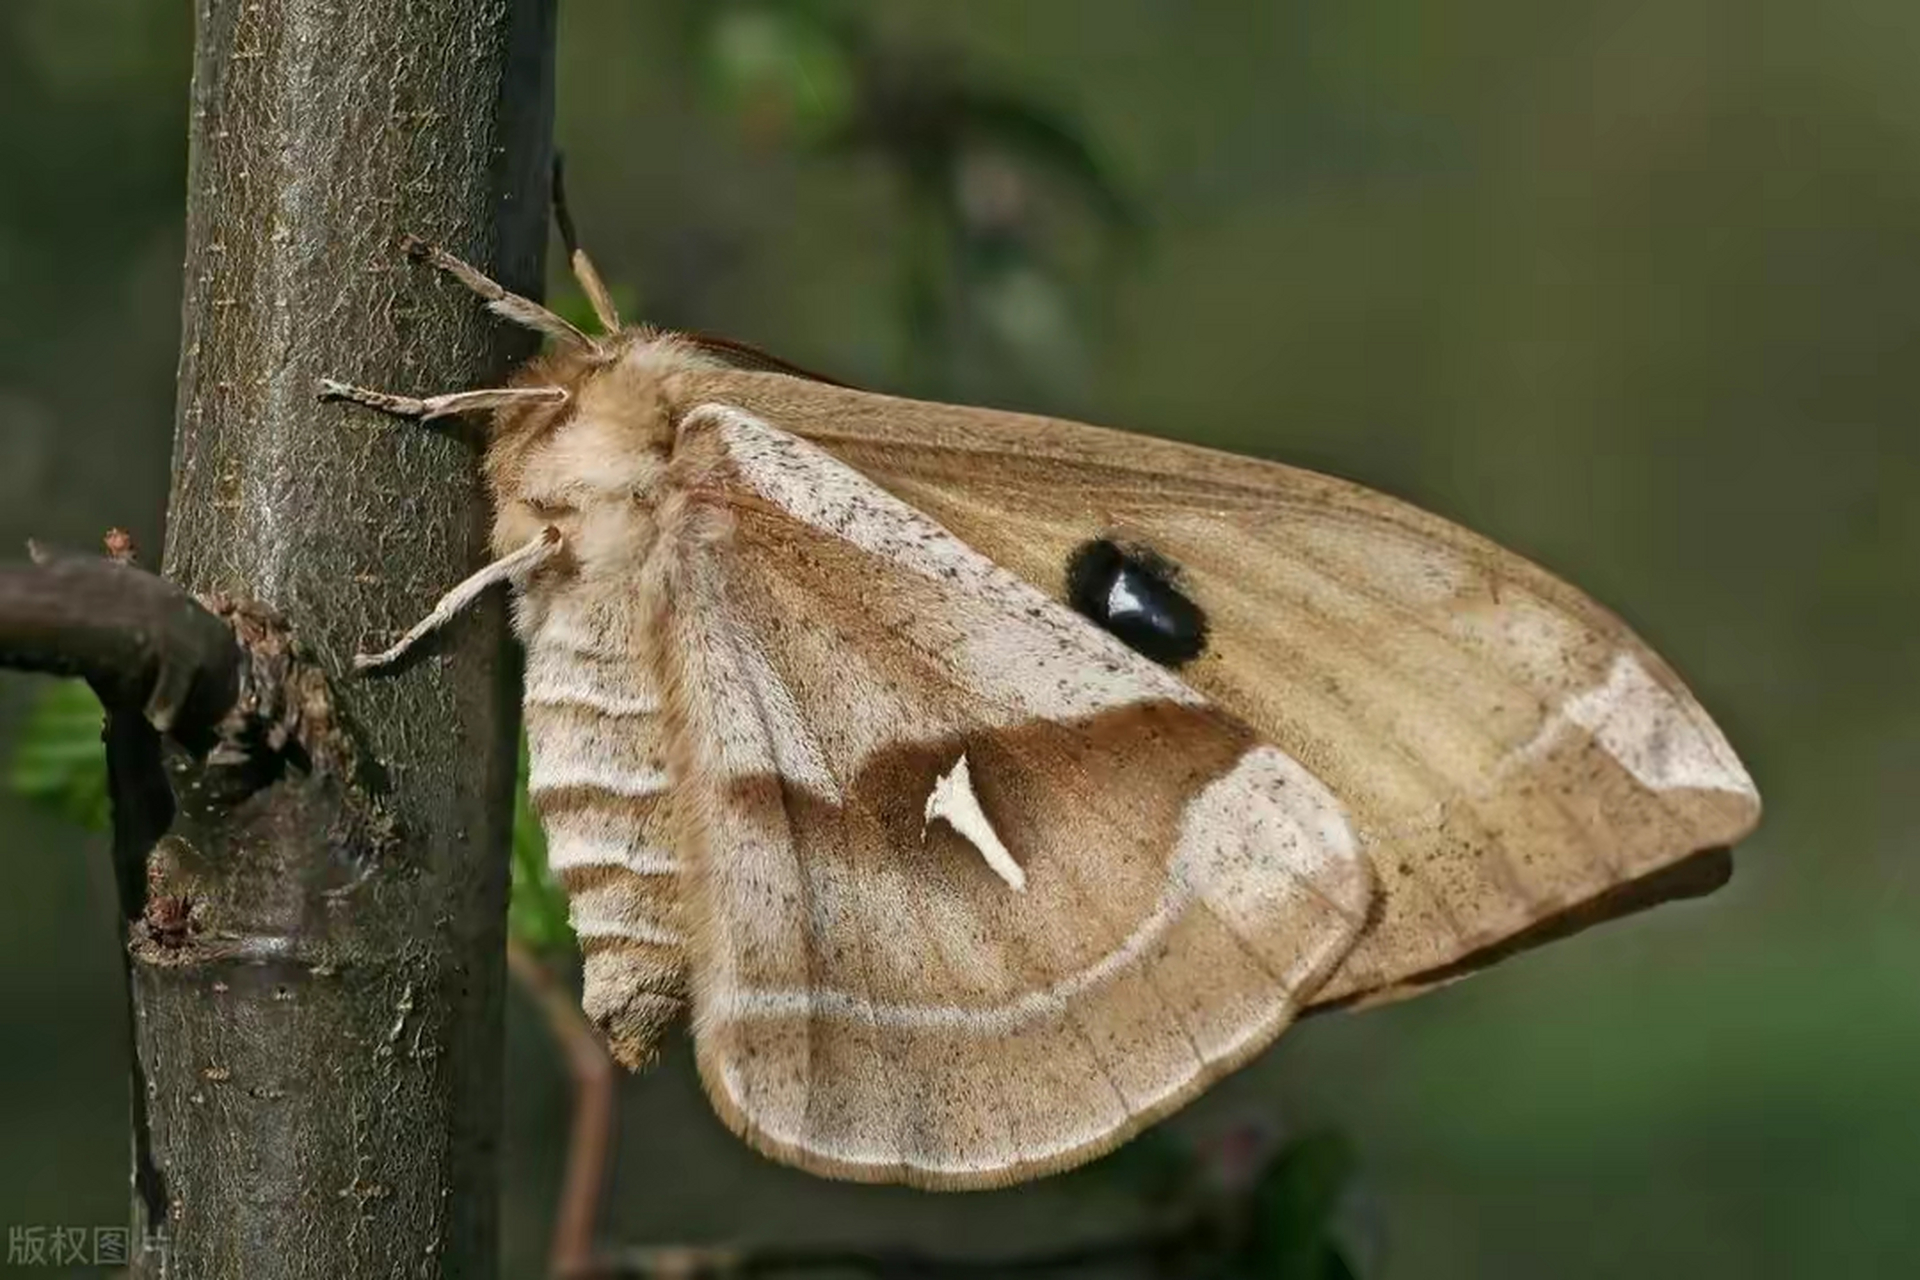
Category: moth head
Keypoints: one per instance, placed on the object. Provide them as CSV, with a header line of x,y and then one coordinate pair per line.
x,y
589,465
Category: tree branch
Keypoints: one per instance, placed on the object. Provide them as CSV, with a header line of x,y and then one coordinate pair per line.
x,y
595,1110
144,645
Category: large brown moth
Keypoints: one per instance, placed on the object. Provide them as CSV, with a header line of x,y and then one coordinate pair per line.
x,y
986,785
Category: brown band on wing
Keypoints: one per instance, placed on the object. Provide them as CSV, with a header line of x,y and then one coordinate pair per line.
x,y
1036,783
1694,876
1186,890
751,359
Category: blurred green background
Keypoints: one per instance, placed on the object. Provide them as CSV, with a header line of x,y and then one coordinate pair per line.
x,y
1633,288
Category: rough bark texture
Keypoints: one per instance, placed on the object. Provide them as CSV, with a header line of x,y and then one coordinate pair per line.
x,y
318,972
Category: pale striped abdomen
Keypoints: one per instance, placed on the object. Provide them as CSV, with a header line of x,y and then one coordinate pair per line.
x,y
598,780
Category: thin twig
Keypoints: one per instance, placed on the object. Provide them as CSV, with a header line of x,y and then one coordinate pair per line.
x,y
591,1137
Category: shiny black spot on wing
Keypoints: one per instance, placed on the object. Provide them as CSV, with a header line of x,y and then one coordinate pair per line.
x,y
1131,592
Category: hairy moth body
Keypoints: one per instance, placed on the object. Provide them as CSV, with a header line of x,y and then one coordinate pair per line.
x,y
985,786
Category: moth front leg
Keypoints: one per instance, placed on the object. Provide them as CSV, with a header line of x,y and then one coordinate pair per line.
x,y
512,567
545,544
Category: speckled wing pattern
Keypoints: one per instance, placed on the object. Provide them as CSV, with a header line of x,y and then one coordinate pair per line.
x,y
871,997
1515,762
959,887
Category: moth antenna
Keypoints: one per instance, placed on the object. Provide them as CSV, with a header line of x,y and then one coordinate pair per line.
x,y
444,406
595,289
511,306
542,548
590,282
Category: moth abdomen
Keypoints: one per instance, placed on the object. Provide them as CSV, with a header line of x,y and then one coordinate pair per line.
x,y
632,998
598,778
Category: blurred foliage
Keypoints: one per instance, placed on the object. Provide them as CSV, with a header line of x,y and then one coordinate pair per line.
x,y
985,175
783,71
1293,1212
1258,1208
58,760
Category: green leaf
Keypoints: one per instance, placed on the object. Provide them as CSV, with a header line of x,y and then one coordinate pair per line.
x,y
58,760
537,910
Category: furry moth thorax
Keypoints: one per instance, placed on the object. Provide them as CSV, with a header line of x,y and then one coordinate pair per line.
x,y
584,464
982,787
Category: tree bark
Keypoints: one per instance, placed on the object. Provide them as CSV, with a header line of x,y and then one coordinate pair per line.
x,y
318,973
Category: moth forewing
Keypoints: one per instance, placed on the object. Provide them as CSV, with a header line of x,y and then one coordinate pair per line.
x,y
1511,752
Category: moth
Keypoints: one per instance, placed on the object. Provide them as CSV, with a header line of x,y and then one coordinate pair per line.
x,y
983,786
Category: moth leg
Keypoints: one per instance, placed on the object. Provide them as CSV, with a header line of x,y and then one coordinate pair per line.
x,y
583,271
541,548
443,406
511,306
